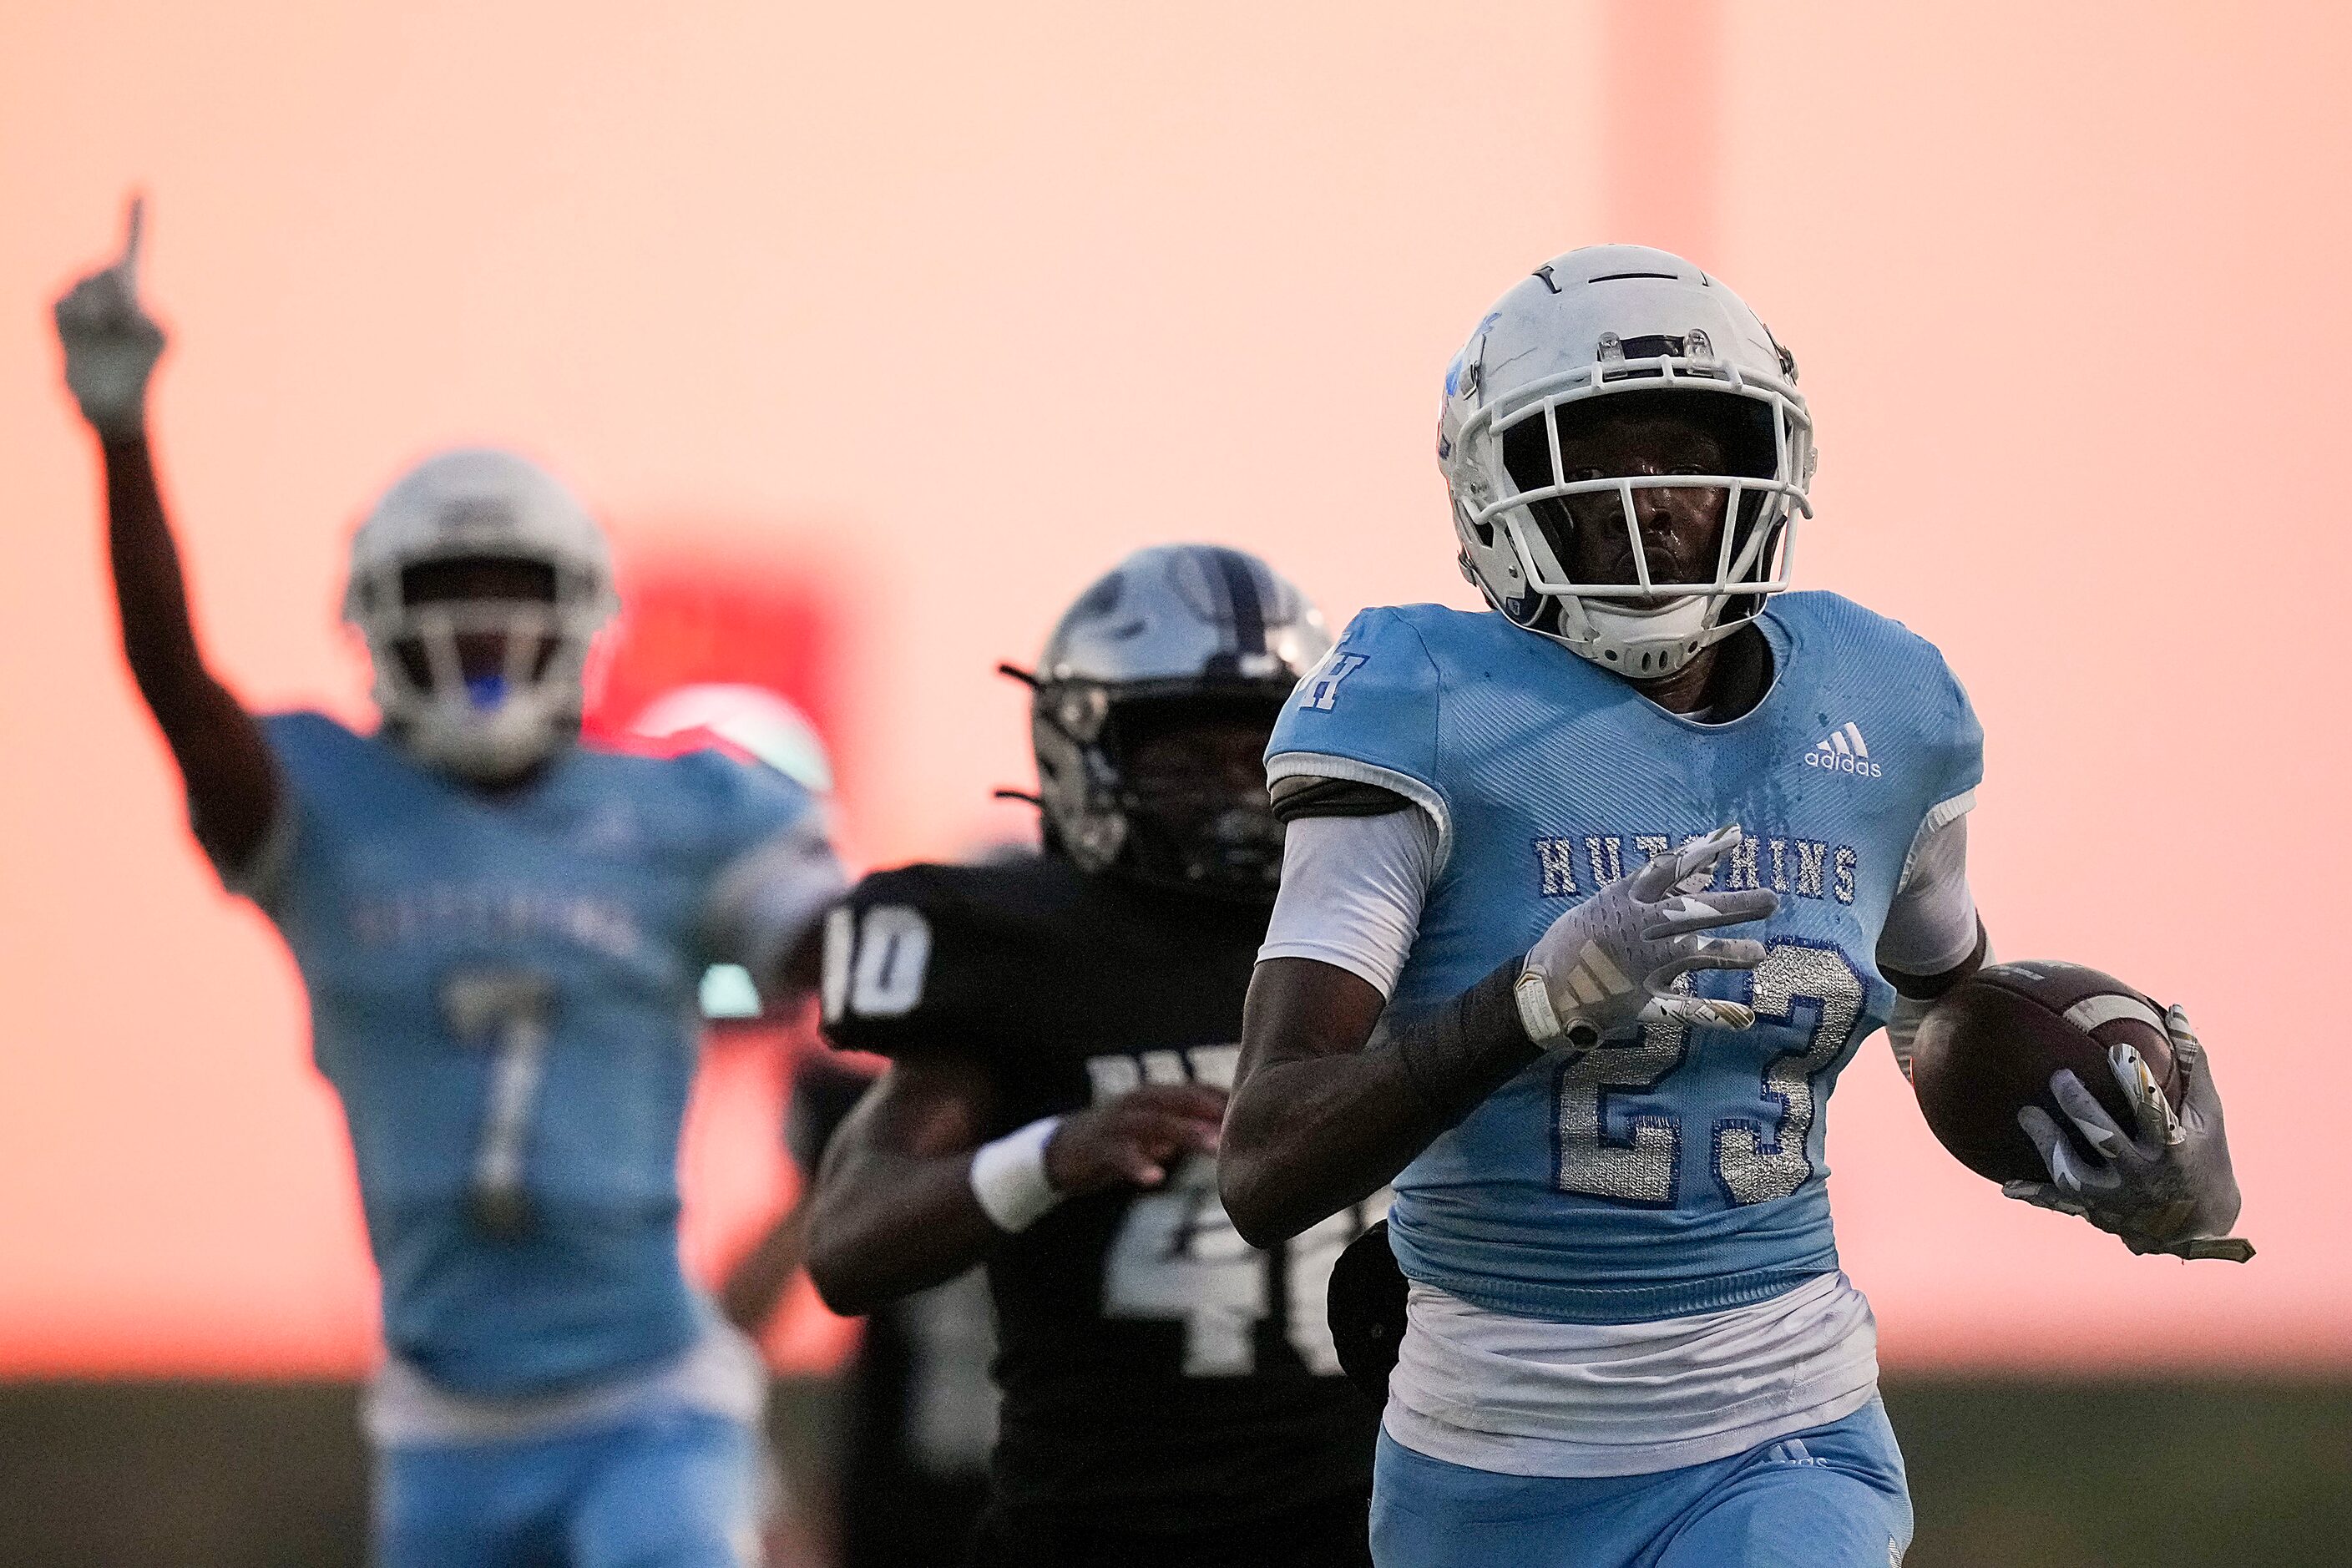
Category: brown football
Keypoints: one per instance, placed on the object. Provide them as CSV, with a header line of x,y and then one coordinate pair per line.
x,y
1989,1045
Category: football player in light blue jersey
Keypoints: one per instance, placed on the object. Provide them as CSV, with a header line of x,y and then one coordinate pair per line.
x,y
1492,977
503,932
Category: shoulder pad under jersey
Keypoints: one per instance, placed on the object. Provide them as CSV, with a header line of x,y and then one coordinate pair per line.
x,y
1913,675
1367,713
931,957
747,803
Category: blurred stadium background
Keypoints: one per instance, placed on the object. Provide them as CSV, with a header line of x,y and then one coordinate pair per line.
x,y
877,331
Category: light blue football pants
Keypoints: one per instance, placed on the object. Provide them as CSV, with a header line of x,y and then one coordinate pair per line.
x,y
1832,1497
674,1489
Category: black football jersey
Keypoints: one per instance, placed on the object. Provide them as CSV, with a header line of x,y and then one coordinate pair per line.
x,y
1159,1372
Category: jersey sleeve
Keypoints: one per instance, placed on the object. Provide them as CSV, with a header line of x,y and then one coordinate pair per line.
x,y
908,966
1957,759
307,751
1931,922
774,866
1368,715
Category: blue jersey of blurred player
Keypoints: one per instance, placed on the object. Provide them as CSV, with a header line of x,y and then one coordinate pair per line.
x,y
1626,1338
503,932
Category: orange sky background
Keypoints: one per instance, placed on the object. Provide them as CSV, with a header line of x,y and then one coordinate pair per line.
x,y
950,306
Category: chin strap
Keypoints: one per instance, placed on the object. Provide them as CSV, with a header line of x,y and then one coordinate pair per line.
x,y
1647,646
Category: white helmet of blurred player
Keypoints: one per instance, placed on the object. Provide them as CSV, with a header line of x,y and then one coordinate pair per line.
x,y
1616,321
481,684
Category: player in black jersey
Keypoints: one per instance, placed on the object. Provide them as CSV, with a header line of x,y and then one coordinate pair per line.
x,y
1061,1031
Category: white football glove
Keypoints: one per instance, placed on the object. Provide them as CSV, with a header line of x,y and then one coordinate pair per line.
x,y
2166,1188
1613,960
111,345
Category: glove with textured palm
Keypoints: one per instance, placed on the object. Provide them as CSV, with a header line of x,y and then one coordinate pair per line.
x,y
111,344
1615,960
2167,1185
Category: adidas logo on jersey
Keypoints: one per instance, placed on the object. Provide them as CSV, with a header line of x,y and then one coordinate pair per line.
x,y
1844,753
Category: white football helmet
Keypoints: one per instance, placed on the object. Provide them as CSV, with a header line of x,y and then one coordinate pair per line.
x,y
1618,321
476,504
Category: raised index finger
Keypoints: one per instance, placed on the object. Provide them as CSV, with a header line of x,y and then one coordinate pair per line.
x,y
134,233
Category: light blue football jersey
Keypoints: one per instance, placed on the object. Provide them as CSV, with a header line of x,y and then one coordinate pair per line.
x,y
1670,1170
542,951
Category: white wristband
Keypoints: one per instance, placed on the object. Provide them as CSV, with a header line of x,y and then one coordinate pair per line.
x,y
1008,1177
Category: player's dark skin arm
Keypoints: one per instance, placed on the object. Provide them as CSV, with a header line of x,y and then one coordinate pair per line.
x,y
1333,1096
224,762
757,1283
893,1211
1917,995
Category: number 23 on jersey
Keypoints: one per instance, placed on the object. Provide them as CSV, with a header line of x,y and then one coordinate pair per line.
x,y
1813,991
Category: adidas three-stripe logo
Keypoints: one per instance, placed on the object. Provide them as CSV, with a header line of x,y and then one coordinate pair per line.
x,y
1844,752
1595,979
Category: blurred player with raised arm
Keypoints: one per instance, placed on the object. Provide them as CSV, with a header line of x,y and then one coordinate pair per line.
x,y
1490,976
1061,1030
501,932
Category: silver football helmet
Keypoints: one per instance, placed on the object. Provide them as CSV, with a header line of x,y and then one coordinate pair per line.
x,y
1170,634
480,505
1611,322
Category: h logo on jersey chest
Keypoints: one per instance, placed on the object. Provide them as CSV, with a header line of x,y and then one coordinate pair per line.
x,y
1321,690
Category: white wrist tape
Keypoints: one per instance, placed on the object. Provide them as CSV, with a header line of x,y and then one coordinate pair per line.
x,y
1008,1177
1537,1014
1542,1021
